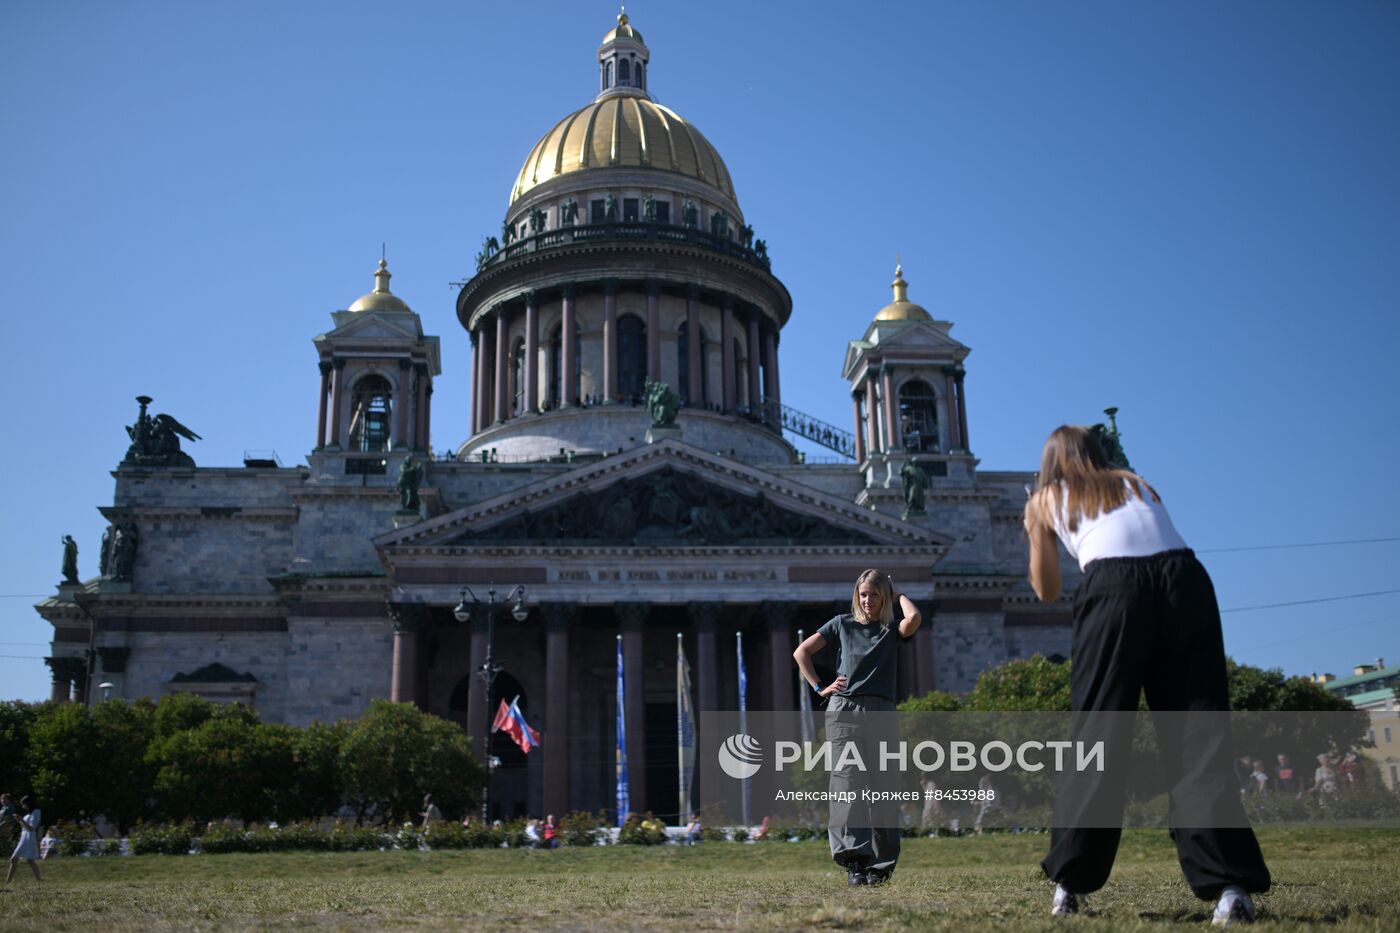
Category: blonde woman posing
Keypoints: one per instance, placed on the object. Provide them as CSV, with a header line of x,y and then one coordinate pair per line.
x,y
1145,621
864,839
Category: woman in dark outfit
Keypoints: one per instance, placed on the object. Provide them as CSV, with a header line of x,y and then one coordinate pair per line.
x,y
864,839
1145,620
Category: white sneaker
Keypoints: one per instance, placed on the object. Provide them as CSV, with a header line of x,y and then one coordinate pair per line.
x,y
1067,904
1233,907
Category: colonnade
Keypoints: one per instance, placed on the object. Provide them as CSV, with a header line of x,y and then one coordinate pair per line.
x,y
772,681
876,409
492,396
411,400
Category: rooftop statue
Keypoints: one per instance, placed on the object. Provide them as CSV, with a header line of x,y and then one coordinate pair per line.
x,y
410,478
70,560
156,441
662,403
915,482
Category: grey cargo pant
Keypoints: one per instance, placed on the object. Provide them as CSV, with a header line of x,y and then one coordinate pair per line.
x,y
863,835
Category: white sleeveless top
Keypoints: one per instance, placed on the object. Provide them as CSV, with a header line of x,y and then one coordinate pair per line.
x,y
1137,528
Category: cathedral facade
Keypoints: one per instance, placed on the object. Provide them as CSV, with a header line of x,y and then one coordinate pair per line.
x,y
627,472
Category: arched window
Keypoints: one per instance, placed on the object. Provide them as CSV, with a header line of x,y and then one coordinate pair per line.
x,y
624,73
631,356
556,367
517,377
607,75
918,417
683,358
370,408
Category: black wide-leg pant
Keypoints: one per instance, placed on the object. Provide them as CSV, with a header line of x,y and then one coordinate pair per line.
x,y
1152,625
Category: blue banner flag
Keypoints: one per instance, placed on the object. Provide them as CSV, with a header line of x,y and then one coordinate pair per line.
x,y
743,715
623,798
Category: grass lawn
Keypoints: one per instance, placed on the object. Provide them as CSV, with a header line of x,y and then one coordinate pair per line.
x,y
1324,878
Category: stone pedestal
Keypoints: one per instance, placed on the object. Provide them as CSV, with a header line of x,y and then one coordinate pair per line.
x,y
115,586
67,590
657,434
402,519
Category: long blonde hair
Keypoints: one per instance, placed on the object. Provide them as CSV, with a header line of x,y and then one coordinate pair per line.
x,y
881,581
1074,462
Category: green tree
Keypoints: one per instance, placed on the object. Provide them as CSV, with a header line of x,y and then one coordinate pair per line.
x,y
396,753
124,732
230,765
16,720
179,712
65,761
316,757
1035,683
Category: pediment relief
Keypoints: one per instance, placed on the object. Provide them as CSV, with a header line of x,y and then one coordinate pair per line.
x,y
667,494
665,506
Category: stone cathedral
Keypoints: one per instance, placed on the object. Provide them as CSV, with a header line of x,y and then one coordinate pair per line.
x,y
627,461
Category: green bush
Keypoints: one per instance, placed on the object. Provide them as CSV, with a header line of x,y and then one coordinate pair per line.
x,y
149,839
639,833
344,838
582,828
74,838
713,834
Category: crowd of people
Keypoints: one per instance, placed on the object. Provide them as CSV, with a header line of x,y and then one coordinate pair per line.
x,y
1329,777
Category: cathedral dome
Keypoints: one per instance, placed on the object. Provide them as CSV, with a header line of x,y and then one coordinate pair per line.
x,y
623,128
381,299
902,309
623,132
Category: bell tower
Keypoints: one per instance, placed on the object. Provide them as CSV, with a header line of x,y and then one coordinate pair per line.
x,y
906,377
377,370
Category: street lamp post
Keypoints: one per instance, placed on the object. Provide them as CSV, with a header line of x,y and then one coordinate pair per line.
x,y
488,671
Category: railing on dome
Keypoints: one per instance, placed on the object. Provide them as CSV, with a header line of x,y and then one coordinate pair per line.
x,y
813,429
621,230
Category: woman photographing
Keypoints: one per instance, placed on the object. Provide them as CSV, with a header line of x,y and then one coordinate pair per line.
x,y
1145,621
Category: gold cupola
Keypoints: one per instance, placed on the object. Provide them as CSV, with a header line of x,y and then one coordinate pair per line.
x,y
902,309
623,128
381,299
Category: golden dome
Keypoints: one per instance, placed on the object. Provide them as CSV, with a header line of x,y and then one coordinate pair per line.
x,y
623,31
902,309
623,132
381,299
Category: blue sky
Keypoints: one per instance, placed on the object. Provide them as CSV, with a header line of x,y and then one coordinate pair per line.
x,y
1189,210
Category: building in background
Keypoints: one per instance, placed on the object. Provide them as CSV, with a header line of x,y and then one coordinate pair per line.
x,y
624,263
1372,687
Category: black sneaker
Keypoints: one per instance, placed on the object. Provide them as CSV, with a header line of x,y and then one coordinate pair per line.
x,y
855,877
877,876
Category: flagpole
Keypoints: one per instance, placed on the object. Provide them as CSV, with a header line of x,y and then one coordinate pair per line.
x,y
804,702
623,796
685,730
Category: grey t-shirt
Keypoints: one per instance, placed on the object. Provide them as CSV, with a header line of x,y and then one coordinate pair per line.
x,y
869,655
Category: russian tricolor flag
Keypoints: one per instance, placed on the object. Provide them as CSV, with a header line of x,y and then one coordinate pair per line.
x,y
509,718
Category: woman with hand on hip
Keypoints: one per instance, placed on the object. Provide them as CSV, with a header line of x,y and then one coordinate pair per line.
x,y
28,846
1145,621
864,839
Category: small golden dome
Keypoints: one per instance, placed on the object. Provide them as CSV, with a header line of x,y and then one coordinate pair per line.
x,y
902,309
623,132
623,31
381,299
